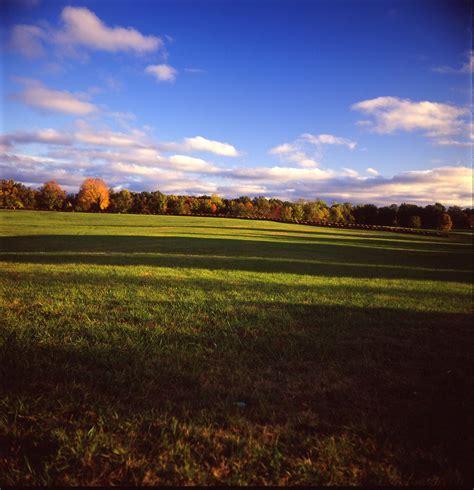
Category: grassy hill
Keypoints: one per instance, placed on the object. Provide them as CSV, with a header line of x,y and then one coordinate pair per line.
x,y
159,349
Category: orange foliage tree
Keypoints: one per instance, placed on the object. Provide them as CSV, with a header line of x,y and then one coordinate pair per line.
x,y
93,195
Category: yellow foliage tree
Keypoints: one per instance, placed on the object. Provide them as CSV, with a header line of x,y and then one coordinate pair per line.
x,y
93,195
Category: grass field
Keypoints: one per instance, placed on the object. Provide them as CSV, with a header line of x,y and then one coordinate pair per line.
x,y
178,350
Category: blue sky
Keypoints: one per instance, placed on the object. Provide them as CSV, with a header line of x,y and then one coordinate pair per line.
x,y
361,101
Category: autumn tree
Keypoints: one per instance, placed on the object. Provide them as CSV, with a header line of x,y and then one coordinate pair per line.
x,y
444,222
14,195
51,196
93,195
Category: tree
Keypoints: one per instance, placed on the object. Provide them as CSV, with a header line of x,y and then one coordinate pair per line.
x,y
51,196
316,211
431,215
406,211
298,212
445,222
414,222
286,213
459,217
120,202
387,215
365,214
11,194
158,203
93,195
261,206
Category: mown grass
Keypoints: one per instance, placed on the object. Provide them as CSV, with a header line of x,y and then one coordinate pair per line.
x,y
176,350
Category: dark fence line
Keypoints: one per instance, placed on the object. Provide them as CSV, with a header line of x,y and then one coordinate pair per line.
x,y
357,226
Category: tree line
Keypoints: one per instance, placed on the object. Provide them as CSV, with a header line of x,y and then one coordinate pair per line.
x,y
95,196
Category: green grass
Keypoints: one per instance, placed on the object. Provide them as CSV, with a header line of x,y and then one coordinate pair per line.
x,y
182,350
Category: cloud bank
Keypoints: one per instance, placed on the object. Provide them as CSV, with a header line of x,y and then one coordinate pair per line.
x,y
132,160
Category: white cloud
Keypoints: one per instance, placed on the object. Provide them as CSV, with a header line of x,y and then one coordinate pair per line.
x,y
134,169
163,73
465,68
283,149
35,94
200,144
143,157
280,174
82,28
328,139
391,114
302,150
89,135
191,164
349,172
45,136
372,171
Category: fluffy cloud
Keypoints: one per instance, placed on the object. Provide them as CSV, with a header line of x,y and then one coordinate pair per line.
x,y
88,135
434,119
328,139
45,136
302,150
81,28
200,144
35,94
372,171
280,174
141,157
190,164
350,172
162,73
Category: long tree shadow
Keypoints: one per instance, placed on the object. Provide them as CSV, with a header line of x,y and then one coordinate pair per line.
x,y
406,378
320,259
317,291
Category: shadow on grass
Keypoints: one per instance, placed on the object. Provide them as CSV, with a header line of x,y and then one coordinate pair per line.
x,y
403,377
329,258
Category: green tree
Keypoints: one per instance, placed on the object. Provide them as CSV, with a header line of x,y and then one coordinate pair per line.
x,y
121,201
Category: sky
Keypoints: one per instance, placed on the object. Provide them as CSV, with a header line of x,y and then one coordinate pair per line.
x,y
340,100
